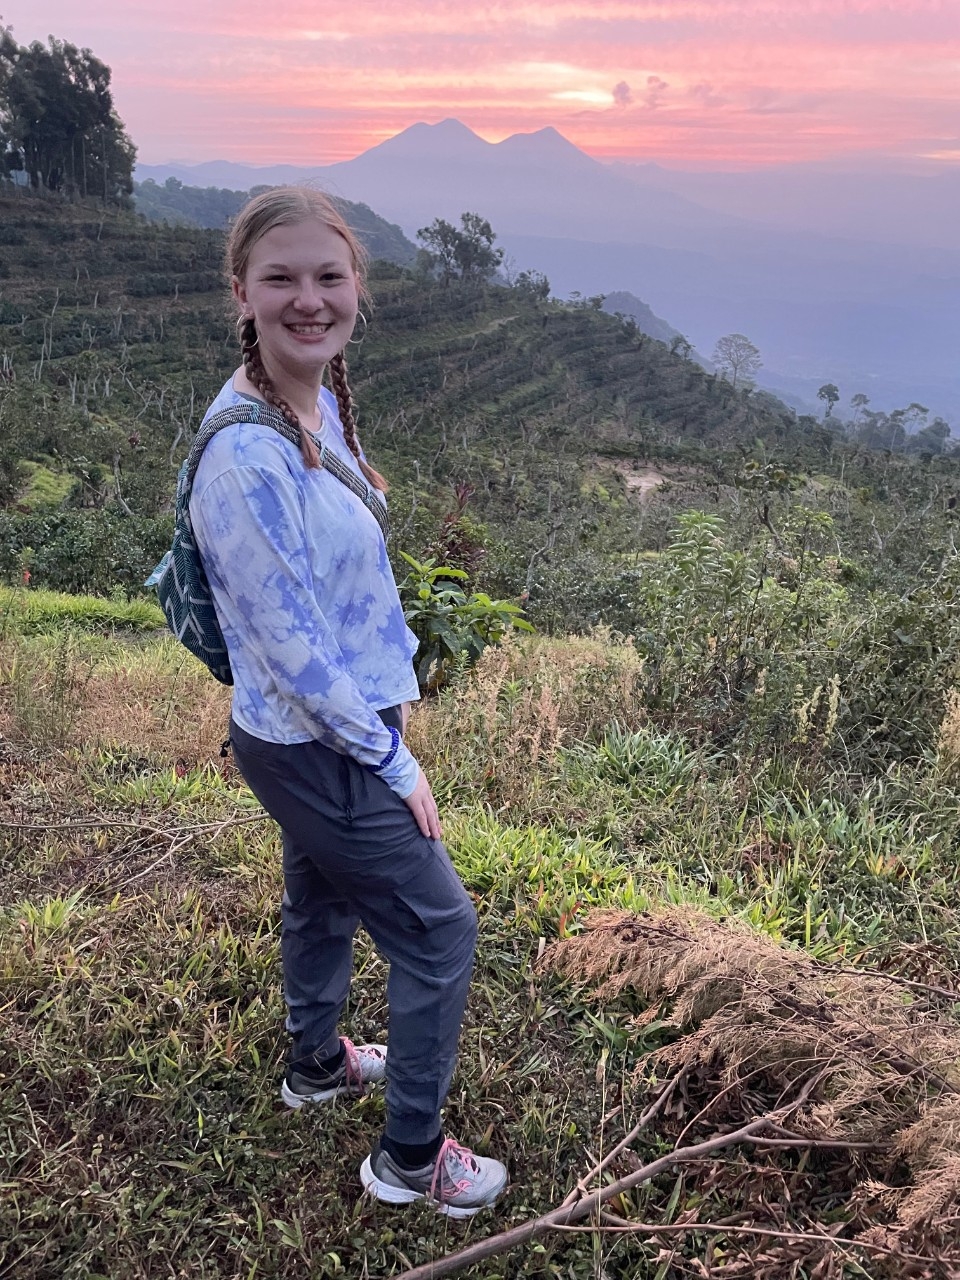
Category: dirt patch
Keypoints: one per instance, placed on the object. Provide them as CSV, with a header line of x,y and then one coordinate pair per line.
x,y
641,482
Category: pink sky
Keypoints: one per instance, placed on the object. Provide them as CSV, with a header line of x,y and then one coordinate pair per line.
x,y
688,83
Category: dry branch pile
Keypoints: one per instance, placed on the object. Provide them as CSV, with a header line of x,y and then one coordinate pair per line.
x,y
876,1063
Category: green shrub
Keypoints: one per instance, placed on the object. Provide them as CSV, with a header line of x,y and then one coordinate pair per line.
x,y
452,627
81,551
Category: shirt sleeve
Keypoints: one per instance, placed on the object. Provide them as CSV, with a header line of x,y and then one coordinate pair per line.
x,y
248,522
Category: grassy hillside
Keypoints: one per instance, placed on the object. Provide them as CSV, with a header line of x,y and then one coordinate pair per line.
x,y
758,773
115,333
786,929
216,207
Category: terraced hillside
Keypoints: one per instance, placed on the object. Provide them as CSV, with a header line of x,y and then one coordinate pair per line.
x,y
115,332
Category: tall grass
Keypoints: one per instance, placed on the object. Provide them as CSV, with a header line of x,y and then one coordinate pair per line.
x,y
142,1023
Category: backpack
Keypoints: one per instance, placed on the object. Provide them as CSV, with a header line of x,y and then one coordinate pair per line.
x,y
180,579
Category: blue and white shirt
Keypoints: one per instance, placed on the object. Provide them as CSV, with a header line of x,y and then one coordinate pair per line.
x,y
305,595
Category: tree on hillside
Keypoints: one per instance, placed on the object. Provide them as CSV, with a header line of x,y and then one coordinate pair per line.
x,y
829,393
736,356
476,256
466,252
533,283
879,430
681,346
57,122
931,439
915,416
858,403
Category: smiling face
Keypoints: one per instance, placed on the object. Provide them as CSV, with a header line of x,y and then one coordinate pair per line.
x,y
302,290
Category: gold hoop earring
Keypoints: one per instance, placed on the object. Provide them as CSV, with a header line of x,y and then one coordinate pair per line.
x,y
356,341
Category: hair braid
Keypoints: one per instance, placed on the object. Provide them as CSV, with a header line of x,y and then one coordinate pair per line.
x,y
345,403
257,374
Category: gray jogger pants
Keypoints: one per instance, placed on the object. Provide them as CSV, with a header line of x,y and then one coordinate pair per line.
x,y
352,854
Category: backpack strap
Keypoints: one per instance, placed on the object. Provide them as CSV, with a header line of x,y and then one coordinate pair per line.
x,y
255,412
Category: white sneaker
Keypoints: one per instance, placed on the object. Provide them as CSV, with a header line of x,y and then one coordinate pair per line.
x,y
458,1182
363,1065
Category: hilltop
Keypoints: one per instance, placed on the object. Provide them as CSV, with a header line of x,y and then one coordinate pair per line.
x,y
547,446
114,333
824,299
215,207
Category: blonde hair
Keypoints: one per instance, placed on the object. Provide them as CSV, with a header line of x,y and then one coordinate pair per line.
x,y
286,207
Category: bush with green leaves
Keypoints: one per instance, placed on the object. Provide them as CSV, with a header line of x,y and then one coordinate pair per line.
x,y
732,636
81,551
453,628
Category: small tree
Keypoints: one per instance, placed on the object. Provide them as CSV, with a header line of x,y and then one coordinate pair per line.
x,y
858,403
931,439
466,251
830,395
534,284
440,241
680,346
476,256
736,356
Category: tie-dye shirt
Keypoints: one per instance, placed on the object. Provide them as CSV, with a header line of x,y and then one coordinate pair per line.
x,y
305,595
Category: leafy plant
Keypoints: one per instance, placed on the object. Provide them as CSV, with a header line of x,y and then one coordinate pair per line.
x,y
453,628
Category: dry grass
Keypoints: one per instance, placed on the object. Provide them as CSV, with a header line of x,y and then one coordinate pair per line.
x,y
500,727
146,700
948,743
759,1022
160,697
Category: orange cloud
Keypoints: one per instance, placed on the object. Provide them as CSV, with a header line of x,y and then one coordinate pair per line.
x,y
690,82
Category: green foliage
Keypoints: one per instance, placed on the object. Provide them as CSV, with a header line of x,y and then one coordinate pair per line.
x,y
466,252
85,552
829,393
216,207
114,337
31,612
453,628
58,121
534,284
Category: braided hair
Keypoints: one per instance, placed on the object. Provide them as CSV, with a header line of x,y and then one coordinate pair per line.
x,y
287,206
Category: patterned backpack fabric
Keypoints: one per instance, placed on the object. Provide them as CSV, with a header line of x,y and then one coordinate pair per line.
x,y
179,578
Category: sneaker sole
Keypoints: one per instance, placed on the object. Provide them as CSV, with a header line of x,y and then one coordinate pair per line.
x,y
390,1194
296,1100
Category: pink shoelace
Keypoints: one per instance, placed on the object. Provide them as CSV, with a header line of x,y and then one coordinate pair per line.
x,y
352,1068
440,1192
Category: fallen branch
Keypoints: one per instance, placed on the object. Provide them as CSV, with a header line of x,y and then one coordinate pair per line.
x,y
80,824
583,1188
569,1213
177,839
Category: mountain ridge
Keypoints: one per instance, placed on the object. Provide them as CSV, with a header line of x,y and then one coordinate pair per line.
x,y
816,305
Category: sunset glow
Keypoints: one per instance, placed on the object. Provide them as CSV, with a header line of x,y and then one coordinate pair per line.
x,y
687,83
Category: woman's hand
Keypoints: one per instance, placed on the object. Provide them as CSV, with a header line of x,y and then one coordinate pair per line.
x,y
422,805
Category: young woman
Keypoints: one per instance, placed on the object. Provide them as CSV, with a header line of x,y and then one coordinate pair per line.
x,y
323,681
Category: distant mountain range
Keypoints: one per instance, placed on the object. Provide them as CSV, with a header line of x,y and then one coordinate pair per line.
x,y
627,304
863,310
